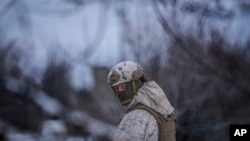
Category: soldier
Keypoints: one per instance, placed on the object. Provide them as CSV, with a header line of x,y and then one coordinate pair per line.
x,y
149,116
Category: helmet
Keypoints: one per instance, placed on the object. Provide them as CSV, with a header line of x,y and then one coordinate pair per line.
x,y
130,73
126,71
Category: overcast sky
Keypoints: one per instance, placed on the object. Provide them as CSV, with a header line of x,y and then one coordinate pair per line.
x,y
40,25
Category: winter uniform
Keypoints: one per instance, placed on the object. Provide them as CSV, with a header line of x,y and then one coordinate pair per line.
x,y
139,124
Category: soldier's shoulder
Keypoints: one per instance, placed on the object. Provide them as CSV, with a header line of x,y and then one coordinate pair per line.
x,y
139,114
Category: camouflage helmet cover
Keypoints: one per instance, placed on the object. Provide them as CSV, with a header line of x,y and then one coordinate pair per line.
x,y
124,72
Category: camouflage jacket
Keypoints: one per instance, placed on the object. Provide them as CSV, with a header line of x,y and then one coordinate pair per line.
x,y
140,125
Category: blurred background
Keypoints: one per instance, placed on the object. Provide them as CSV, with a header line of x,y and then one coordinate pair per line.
x,y
55,56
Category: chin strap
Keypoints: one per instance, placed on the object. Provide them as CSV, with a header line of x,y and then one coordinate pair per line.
x,y
126,102
134,87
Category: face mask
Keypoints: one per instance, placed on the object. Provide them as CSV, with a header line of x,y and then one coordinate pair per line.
x,y
125,97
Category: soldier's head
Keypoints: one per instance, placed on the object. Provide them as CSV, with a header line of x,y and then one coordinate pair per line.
x,y
125,79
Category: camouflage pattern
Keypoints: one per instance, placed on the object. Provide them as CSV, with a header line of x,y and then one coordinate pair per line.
x,y
139,125
124,72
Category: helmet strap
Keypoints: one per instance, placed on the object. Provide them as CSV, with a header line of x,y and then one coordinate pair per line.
x,y
133,87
